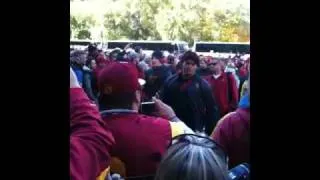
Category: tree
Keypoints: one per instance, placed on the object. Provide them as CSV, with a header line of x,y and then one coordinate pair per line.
x,y
167,20
81,25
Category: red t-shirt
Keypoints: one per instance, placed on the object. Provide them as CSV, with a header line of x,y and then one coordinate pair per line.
x,y
140,143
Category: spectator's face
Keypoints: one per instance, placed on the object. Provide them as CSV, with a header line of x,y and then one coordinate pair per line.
x,y
93,64
215,66
82,59
155,62
189,68
203,64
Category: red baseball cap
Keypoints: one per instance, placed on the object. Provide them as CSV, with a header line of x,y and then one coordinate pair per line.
x,y
118,78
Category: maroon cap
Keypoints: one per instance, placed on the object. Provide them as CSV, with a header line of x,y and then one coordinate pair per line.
x,y
118,78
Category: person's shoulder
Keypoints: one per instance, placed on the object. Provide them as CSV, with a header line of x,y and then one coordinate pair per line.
x,y
149,70
150,118
173,78
204,81
234,118
153,122
243,114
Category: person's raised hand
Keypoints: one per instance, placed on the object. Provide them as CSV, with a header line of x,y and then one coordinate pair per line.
x,y
73,79
163,110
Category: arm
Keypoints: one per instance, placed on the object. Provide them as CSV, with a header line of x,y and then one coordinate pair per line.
x,y
212,112
166,112
90,143
234,93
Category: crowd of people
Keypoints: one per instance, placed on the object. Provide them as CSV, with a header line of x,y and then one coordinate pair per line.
x,y
196,126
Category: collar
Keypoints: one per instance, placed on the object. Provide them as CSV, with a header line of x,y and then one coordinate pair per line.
x,y
117,111
216,76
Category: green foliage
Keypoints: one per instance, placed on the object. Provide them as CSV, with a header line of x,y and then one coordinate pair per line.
x,y
186,20
81,25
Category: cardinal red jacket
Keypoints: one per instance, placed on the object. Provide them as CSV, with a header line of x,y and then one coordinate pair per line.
x,y
225,92
90,139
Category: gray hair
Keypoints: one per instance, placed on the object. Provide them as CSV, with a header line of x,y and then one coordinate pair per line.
x,y
193,158
76,55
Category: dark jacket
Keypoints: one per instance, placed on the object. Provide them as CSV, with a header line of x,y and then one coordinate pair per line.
x,y
155,79
192,101
87,83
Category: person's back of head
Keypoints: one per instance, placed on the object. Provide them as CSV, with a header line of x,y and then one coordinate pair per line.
x,y
119,86
193,157
92,50
78,57
133,57
138,49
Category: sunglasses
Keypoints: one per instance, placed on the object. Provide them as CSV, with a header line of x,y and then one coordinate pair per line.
x,y
205,141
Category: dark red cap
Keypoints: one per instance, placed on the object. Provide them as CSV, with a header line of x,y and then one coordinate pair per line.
x,y
118,78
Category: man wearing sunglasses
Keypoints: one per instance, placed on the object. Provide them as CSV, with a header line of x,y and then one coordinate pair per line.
x,y
140,140
224,87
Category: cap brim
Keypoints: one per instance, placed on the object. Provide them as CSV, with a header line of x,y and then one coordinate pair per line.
x,y
141,81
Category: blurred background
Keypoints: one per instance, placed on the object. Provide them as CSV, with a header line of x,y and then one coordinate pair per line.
x,y
176,20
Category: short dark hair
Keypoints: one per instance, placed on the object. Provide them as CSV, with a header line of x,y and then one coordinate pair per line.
x,y
157,54
116,101
137,49
193,158
114,53
92,48
189,55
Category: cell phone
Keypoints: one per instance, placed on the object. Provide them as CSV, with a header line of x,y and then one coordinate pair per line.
x,y
147,108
